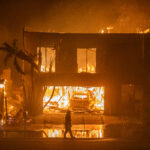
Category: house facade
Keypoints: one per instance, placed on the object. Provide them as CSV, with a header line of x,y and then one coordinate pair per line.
x,y
90,72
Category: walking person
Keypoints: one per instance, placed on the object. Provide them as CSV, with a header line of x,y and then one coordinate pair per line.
x,y
25,119
68,124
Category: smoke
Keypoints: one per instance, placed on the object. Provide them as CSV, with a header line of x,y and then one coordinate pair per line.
x,y
133,17
87,16
76,16
125,16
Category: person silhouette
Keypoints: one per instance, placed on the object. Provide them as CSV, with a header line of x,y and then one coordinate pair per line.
x,y
68,124
0,121
25,119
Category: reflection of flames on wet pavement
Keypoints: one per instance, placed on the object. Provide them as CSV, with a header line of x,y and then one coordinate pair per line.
x,y
54,133
96,133
65,96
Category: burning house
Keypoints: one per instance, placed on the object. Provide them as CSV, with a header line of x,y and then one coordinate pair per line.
x,y
86,72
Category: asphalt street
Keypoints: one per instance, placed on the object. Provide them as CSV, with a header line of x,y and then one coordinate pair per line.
x,y
76,144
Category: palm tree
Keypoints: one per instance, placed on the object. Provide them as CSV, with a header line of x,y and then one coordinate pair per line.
x,y
15,53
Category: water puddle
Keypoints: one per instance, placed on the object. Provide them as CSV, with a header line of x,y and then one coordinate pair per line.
x,y
77,131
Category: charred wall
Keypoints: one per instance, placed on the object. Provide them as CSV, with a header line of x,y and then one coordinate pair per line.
x,y
119,60
117,55
66,56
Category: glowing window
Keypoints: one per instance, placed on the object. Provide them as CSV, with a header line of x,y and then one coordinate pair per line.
x,y
46,58
86,60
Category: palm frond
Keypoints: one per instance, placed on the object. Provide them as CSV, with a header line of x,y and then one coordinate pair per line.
x,y
20,54
18,68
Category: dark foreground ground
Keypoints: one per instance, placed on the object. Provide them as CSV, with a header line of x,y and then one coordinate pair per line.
x,y
116,134
76,144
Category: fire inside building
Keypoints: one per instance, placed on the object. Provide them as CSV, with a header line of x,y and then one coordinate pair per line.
x,y
86,72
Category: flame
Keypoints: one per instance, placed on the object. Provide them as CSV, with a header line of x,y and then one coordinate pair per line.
x,y
100,98
2,86
96,133
60,98
102,31
47,69
54,133
64,94
90,69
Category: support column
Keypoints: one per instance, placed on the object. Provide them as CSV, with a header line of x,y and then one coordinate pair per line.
x,y
107,100
38,100
112,99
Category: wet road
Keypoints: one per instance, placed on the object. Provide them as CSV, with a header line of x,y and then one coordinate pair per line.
x,y
77,144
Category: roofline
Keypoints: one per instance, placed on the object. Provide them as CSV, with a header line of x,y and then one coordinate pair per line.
x,y
65,33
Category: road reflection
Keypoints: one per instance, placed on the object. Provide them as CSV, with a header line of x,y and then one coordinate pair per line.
x,y
80,132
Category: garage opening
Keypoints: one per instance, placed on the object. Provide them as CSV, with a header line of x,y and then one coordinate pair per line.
x,y
61,98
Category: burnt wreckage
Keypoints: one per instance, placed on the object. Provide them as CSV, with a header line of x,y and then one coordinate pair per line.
x,y
89,72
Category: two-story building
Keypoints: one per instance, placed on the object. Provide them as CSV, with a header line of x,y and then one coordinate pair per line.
x,y
87,72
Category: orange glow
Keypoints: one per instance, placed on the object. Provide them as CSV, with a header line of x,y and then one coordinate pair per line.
x,y
47,69
47,58
65,96
102,31
86,60
2,86
96,134
55,133
90,69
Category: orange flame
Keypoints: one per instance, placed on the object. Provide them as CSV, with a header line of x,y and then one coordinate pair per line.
x,y
63,95
89,69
